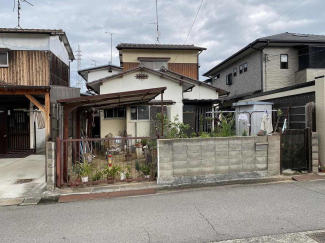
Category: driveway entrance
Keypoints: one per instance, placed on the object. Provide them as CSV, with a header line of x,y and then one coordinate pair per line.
x,y
21,177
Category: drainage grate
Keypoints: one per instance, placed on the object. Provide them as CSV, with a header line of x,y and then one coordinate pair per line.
x,y
319,237
22,181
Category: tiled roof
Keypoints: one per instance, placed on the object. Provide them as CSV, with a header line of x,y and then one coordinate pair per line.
x,y
158,46
294,37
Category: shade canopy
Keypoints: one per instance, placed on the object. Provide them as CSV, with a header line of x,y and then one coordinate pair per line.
x,y
113,100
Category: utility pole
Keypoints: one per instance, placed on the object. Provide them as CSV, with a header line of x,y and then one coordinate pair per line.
x,y
79,80
111,33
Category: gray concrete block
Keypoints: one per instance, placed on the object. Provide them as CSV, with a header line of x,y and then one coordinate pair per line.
x,y
274,167
314,141
220,141
208,155
273,160
206,141
260,139
222,162
166,173
194,148
235,154
261,147
194,156
165,150
222,155
221,147
234,147
180,157
248,167
274,137
182,149
165,158
222,169
180,164
235,168
249,160
315,156
237,161
273,153
194,171
247,146
261,160
194,163
164,143
261,153
193,141
314,135
315,169
234,140
208,148
247,140
261,166
208,163
180,172
248,154
274,145
179,142
315,162
166,166
208,170
315,148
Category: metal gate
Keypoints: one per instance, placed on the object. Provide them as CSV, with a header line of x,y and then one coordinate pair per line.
x,y
18,131
296,150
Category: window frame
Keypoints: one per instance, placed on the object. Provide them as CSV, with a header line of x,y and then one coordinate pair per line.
x,y
137,108
227,79
245,68
115,117
287,67
5,52
234,71
241,69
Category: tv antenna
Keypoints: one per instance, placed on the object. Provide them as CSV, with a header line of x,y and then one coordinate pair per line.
x,y
18,10
156,23
111,33
94,63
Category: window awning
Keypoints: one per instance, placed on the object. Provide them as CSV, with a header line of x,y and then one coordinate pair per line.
x,y
107,101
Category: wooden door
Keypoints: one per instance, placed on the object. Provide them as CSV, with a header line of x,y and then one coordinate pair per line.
x,y
3,132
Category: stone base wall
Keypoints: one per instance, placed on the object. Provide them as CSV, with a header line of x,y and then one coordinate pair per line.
x,y
315,157
51,165
204,160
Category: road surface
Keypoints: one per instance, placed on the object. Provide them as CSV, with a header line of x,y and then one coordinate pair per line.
x,y
197,215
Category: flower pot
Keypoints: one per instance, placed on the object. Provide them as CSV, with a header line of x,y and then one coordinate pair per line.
x,y
129,180
110,180
147,177
84,179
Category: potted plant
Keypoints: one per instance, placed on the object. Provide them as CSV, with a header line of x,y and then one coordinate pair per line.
x,y
85,169
146,171
96,177
128,174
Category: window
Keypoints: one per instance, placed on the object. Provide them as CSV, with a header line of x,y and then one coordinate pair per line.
x,y
4,59
240,69
217,76
229,79
115,113
235,72
245,67
155,65
140,112
284,61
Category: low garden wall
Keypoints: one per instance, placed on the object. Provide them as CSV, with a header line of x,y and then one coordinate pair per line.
x,y
208,160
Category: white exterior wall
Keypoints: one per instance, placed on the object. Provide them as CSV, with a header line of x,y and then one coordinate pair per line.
x,y
98,74
130,83
35,42
111,125
201,92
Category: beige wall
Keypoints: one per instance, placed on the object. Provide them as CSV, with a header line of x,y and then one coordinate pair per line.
x,y
177,56
273,76
114,126
201,92
309,74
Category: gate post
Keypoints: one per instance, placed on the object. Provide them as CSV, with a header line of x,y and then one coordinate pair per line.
x,y
58,162
50,165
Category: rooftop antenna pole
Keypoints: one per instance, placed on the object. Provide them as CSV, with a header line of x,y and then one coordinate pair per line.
x,y
78,55
95,63
158,34
18,10
111,33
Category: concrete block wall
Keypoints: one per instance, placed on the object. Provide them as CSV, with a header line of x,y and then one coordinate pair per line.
x,y
203,160
315,151
51,165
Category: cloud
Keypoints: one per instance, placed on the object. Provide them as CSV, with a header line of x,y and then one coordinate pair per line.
x,y
221,24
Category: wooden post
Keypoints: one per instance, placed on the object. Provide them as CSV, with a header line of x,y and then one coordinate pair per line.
x,y
47,116
162,114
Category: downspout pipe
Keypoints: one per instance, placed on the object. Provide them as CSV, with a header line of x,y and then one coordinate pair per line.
x,y
198,67
261,57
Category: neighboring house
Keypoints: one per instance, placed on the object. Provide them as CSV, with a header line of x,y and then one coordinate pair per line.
x,y
34,73
271,63
153,66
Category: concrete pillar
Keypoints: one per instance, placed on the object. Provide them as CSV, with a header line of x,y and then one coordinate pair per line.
x,y
320,117
51,166
315,150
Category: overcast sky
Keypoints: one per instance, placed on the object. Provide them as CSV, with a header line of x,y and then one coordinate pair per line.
x,y
221,25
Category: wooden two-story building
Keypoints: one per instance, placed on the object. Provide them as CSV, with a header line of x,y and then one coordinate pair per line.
x,y
34,73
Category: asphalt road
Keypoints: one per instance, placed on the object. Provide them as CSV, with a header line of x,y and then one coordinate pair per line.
x,y
200,215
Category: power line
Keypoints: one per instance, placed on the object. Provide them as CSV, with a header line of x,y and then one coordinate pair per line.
x,y
191,27
262,27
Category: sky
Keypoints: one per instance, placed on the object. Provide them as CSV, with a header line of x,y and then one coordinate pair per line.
x,y
222,26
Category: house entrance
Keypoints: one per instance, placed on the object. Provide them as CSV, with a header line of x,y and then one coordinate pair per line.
x,y
3,132
296,150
